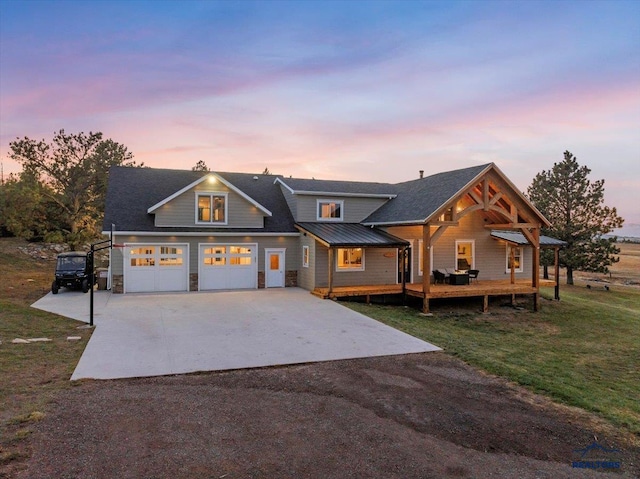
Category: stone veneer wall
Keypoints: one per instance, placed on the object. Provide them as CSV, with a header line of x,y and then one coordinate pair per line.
x,y
291,279
117,284
193,282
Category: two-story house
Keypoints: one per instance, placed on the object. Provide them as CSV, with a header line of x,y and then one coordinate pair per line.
x,y
179,230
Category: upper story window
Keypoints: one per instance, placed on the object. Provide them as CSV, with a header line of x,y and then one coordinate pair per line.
x,y
330,210
211,208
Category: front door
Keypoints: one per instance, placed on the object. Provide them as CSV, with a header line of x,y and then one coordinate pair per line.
x,y
404,263
274,268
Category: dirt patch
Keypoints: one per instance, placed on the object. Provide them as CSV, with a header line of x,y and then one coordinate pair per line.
x,y
413,416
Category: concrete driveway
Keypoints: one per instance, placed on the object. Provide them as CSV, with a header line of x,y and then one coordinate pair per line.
x,y
140,335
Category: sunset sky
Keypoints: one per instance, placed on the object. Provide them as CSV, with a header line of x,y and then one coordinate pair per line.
x,y
354,90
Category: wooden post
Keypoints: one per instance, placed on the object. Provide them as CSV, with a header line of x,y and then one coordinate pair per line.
x,y
426,266
512,256
485,304
535,273
403,262
557,272
330,269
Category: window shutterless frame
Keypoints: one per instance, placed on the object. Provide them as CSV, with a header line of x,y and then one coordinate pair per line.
x,y
329,210
211,208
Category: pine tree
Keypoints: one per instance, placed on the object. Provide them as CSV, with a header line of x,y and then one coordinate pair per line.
x,y
574,206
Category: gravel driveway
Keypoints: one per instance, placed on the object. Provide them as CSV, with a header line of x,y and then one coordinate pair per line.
x,y
410,416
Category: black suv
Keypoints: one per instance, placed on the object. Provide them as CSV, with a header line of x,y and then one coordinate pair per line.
x,y
73,270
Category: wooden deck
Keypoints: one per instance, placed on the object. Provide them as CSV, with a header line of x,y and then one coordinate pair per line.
x,y
483,288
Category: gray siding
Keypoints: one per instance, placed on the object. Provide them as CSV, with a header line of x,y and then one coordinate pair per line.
x,y
292,201
355,209
490,254
378,268
181,211
307,276
291,243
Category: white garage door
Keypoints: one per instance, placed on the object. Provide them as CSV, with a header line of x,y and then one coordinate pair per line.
x,y
156,268
228,266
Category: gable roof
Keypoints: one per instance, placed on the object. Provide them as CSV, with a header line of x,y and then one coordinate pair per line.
x,y
300,186
348,235
132,191
217,177
418,199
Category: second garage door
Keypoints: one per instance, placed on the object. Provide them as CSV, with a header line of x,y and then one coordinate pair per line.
x,y
228,266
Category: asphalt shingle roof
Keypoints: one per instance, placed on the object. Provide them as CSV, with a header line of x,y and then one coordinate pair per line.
x,y
131,191
335,186
348,235
418,199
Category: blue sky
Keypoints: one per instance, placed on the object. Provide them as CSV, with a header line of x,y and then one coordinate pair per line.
x,y
339,90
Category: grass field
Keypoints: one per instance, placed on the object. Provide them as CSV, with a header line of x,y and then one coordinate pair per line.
x,y
30,374
582,351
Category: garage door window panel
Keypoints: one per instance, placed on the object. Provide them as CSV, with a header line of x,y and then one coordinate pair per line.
x,y
216,256
143,257
240,256
170,256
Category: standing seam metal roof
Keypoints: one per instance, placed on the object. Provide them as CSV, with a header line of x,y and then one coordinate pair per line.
x,y
519,238
351,235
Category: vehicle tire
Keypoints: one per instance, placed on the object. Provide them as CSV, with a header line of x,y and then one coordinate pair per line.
x,y
85,286
54,287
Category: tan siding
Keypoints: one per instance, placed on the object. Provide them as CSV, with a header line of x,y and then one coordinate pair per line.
x,y
412,234
490,254
181,210
355,209
378,268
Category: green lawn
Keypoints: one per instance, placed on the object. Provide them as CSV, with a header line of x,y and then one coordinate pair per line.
x,y
30,374
582,351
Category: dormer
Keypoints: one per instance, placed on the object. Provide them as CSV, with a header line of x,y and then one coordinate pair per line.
x,y
333,201
209,202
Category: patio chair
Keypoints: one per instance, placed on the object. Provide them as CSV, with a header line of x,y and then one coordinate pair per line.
x,y
473,274
439,276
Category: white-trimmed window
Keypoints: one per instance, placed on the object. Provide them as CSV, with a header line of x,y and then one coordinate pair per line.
x,y
465,254
518,258
350,259
211,208
305,256
329,210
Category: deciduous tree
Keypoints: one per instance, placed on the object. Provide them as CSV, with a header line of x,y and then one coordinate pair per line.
x,y
575,207
72,172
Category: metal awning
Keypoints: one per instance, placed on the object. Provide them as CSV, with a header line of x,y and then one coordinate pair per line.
x,y
351,235
519,239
